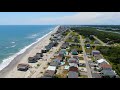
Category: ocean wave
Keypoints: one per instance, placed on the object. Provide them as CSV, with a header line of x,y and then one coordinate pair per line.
x,y
12,42
13,46
33,36
7,61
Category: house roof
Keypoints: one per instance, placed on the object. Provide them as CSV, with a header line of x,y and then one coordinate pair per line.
x,y
96,75
101,61
73,64
95,51
22,65
74,50
56,60
72,68
62,51
49,73
45,77
108,72
72,60
59,58
53,68
31,58
72,74
105,66
76,57
66,67
54,64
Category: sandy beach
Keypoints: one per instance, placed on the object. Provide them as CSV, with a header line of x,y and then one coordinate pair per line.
x,y
11,70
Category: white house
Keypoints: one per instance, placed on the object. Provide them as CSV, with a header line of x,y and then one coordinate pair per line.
x,y
52,68
101,61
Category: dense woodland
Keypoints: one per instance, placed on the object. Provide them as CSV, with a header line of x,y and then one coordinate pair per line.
x,y
104,36
112,54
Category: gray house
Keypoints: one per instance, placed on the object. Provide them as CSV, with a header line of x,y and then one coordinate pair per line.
x,y
54,64
49,73
73,60
108,73
32,60
22,67
38,56
95,52
72,74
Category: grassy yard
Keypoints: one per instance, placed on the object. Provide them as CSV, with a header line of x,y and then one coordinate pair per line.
x,y
83,76
81,58
63,75
88,50
92,58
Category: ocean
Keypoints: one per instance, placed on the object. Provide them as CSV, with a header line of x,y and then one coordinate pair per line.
x,y
15,39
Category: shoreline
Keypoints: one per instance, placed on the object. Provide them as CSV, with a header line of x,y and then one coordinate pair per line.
x,y
19,58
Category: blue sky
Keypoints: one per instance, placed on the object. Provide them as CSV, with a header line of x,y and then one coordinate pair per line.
x,y
45,18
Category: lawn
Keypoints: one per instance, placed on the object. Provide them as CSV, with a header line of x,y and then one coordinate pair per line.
x,y
81,58
88,50
92,58
63,75
83,76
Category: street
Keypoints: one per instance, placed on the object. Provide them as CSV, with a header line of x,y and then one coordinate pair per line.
x,y
99,40
85,58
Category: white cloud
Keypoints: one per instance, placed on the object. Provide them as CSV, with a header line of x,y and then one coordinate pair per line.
x,y
78,18
82,18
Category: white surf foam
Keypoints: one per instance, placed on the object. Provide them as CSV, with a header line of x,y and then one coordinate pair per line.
x,y
13,46
12,42
32,36
6,61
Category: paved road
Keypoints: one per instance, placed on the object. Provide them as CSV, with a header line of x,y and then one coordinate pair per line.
x,y
85,58
100,41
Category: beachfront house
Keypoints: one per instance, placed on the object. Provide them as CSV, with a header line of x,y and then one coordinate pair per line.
x,y
44,51
38,56
23,67
95,52
72,74
32,60
48,47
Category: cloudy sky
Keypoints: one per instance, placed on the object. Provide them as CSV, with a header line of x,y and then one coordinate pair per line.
x,y
59,18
